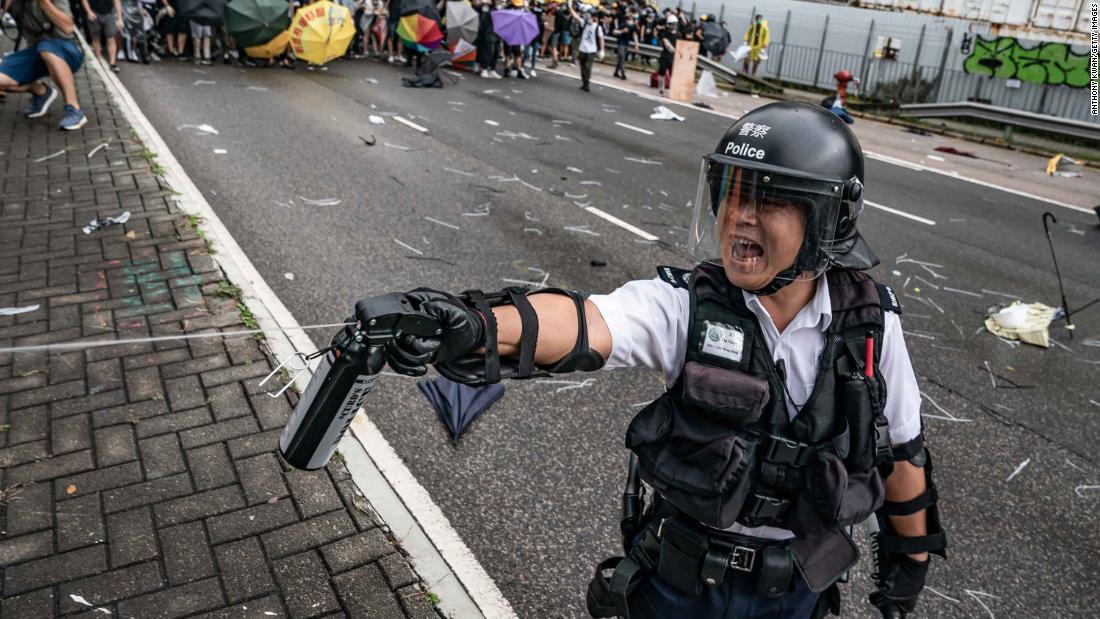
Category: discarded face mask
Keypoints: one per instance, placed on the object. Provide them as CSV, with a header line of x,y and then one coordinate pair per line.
x,y
104,222
376,120
1027,322
663,113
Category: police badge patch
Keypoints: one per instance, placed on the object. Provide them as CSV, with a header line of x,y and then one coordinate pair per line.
x,y
677,278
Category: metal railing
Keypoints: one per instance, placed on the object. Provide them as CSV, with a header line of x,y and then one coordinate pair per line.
x,y
1008,116
719,70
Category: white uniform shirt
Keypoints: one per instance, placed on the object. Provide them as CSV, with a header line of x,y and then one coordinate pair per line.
x,y
648,321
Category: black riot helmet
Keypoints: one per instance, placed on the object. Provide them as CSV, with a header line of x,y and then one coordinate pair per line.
x,y
782,159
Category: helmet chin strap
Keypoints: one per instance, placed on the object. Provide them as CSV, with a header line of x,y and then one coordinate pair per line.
x,y
782,279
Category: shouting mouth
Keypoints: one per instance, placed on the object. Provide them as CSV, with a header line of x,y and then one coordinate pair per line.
x,y
746,249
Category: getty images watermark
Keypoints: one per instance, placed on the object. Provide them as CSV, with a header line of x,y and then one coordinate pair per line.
x,y
1094,44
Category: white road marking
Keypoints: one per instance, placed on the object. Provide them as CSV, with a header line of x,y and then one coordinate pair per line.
x,y
410,124
435,549
924,168
870,155
895,211
622,224
633,128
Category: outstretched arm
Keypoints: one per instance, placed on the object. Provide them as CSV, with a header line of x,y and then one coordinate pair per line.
x,y
557,328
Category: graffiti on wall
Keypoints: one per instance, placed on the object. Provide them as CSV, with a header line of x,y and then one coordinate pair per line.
x,y
1053,64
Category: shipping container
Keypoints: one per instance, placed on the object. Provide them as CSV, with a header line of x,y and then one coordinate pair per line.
x,y
1006,17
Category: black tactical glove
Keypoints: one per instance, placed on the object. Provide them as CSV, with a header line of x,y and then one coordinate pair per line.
x,y
901,580
463,332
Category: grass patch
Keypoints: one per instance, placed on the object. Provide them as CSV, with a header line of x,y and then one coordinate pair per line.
x,y
151,158
248,319
228,290
433,599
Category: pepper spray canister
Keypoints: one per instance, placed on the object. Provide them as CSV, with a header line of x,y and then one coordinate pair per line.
x,y
346,375
343,379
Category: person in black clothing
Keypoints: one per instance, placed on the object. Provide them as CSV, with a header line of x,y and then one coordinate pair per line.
x,y
486,43
666,37
647,33
562,37
626,29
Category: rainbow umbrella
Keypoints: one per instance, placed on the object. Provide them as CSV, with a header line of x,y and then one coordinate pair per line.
x,y
321,32
420,32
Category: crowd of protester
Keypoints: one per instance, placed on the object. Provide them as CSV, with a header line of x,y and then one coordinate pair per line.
x,y
114,26
569,31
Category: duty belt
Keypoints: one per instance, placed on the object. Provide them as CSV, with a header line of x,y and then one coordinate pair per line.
x,y
687,558
715,552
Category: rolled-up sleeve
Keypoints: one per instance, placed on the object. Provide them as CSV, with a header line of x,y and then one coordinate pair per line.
x,y
902,394
648,321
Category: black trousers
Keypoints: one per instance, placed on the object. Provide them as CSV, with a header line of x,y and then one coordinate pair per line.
x,y
586,67
620,49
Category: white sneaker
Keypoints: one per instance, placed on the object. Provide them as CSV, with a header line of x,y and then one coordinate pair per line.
x,y
494,75
389,59
484,73
532,73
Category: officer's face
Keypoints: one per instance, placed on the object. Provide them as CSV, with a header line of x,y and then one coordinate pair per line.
x,y
759,236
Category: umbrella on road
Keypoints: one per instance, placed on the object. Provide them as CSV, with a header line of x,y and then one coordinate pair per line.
x,y
272,49
205,12
420,32
462,22
463,54
458,405
515,27
321,32
255,22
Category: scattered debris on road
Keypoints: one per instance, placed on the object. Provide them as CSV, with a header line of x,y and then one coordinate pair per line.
x,y
663,113
104,222
12,311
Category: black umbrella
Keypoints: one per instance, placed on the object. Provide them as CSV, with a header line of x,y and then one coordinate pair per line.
x,y
420,7
458,405
714,37
205,12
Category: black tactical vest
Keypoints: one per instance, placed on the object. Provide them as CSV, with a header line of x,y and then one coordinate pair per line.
x,y
720,447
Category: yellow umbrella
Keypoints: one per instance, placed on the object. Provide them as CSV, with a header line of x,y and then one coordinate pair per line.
x,y
595,3
321,31
271,49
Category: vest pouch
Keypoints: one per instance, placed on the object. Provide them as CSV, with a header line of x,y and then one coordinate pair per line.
x,y
736,397
843,497
855,401
682,554
698,462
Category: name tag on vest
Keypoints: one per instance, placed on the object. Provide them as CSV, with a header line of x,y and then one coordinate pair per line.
x,y
723,341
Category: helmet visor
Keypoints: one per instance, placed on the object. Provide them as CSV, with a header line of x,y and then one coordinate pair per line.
x,y
763,224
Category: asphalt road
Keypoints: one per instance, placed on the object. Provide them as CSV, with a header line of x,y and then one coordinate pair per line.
x,y
533,487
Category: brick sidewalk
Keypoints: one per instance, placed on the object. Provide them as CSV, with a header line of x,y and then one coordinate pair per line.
x,y
142,478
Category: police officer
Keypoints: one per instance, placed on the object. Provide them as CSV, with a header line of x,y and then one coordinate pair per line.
x,y
792,410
